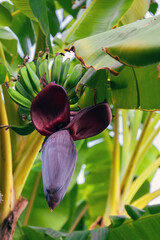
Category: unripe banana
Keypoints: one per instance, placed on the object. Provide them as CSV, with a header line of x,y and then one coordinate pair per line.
x,y
73,78
21,90
64,71
43,70
18,98
56,69
72,93
32,66
25,81
33,78
37,63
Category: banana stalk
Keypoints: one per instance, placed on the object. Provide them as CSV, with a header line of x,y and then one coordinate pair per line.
x,y
112,206
13,119
140,180
6,178
22,170
145,199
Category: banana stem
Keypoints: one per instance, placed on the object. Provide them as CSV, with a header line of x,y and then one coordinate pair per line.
x,y
145,199
147,145
127,179
134,128
140,180
6,177
23,168
114,190
13,119
108,140
126,142
152,125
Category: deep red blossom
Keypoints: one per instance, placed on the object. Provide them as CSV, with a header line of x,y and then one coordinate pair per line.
x,y
50,109
90,121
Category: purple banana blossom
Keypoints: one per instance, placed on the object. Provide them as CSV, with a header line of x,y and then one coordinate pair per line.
x,y
50,114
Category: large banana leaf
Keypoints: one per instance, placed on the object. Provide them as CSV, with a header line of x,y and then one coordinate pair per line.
x,y
100,16
146,227
6,18
23,28
135,44
136,88
136,11
8,50
67,6
24,7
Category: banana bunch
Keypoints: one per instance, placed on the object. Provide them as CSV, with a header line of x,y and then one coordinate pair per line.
x,y
33,76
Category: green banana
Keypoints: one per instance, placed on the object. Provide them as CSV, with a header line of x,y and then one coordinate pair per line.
x,y
38,62
56,69
25,81
19,87
19,98
33,66
43,70
73,78
72,93
33,78
64,71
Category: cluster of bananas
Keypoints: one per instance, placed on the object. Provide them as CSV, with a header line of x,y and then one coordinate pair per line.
x,y
33,76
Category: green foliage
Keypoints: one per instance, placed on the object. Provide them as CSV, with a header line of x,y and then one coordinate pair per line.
x,y
109,43
6,17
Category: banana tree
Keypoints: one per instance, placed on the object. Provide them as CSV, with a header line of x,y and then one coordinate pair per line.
x,y
75,100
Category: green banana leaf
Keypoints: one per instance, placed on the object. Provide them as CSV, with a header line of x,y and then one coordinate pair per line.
x,y
136,88
135,44
8,51
145,227
136,11
40,12
23,28
24,7
6,17
100,16
67,6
